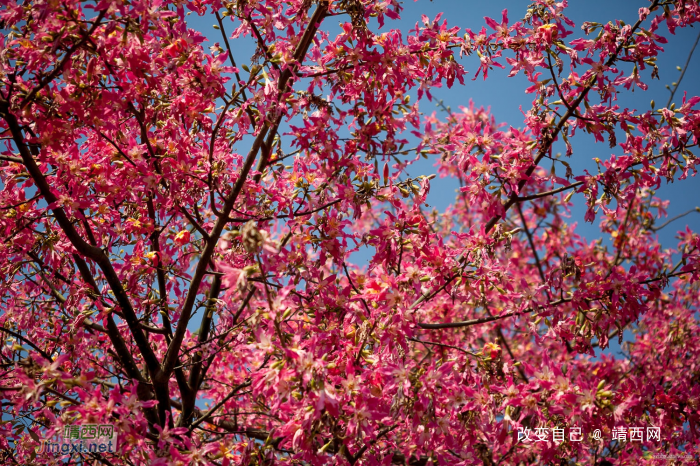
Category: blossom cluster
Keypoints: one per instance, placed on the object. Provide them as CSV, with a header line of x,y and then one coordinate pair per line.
x,y
179,228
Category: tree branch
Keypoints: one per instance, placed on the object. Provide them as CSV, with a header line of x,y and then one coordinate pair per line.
x,y
548,193
666,223
174,347
685,68
549,139
469,323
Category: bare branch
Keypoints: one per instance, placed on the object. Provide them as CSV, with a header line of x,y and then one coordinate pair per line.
x,y
483,320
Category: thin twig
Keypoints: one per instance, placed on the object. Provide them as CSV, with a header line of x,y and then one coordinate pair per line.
x,y
20,337
687,62
208,414
483,320
666,223
443,344
548,193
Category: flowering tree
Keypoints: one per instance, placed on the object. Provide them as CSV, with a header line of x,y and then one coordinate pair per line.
x,y
178,230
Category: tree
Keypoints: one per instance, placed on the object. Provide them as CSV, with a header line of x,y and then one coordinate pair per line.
x,y
178,231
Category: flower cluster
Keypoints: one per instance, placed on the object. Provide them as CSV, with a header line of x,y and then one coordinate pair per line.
x,y
179,232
